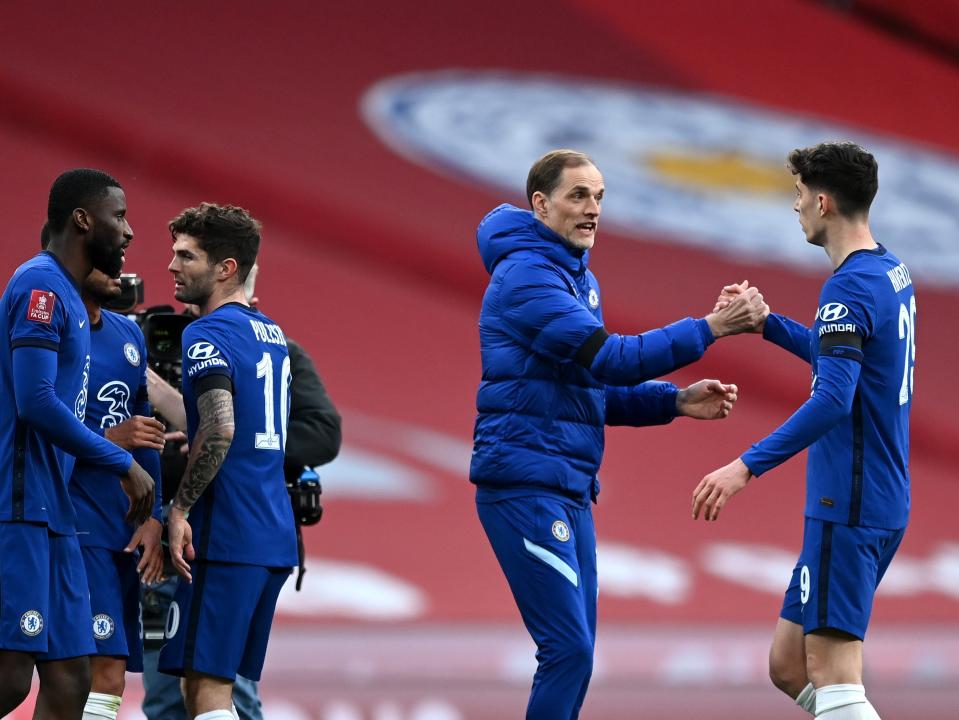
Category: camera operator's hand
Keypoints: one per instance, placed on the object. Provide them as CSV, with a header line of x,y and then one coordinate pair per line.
x,y
138,486
147,536
137,432
180,537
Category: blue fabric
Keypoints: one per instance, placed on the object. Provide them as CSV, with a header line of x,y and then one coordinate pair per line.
x,y
117,391
856,424
832,400
540,414
244,515
162,699
835,579
789,335
649,403
44,331
560,615
205,615
114,586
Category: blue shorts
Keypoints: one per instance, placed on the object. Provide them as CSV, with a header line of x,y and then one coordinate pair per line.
x,y
839,569
115,602
44,601
219,625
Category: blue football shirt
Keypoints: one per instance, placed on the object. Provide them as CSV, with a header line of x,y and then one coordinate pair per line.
x,y
244,515
41,307
862,345
118,390
858,472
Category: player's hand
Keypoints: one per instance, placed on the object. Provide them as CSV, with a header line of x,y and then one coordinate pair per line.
x,y
715,489
147,536
707,400
738,309
137,432
138,486
728,293
180,537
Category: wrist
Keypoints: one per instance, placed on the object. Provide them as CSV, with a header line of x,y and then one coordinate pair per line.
x,y
716,326
177,510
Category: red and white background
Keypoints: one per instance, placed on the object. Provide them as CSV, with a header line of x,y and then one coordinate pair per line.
x,y
370,138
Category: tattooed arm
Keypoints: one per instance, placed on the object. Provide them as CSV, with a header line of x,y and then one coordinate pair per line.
x,y
207,452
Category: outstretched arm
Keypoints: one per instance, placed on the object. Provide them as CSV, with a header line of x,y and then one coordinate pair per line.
x,y
785,332
657,403
831,401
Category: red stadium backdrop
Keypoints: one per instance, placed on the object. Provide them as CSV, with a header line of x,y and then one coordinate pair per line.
x,y
369,261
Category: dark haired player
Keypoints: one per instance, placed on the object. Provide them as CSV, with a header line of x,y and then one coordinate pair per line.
x,y
118,408
44,370
862,348
239,544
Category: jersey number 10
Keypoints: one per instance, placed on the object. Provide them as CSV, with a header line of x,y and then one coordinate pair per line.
x,y
907,332
269,440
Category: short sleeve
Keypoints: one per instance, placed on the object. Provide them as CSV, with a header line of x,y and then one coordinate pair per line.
x,y
204,353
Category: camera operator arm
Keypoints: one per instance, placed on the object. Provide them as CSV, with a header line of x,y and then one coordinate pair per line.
x,y
166,400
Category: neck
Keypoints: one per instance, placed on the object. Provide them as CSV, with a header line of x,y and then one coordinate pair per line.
x,y
70,252
221,297
93,308
847,237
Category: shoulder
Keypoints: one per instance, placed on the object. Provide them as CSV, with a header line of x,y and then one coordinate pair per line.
x,y
122,324
127,332
529,268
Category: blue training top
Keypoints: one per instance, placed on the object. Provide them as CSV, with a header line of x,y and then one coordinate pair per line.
x,y
862,348
118,390
44,374
244,515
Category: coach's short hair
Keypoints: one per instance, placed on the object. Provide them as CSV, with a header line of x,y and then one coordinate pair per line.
x,y
221,231
545,174
75,189
845,170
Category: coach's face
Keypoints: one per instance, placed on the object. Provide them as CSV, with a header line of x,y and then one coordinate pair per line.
x,y
109,231
193,275
572,209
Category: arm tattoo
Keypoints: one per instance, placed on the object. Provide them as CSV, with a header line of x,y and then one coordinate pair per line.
x,y
210,445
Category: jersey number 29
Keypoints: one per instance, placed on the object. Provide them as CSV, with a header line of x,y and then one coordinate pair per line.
x,y
907,332
269,440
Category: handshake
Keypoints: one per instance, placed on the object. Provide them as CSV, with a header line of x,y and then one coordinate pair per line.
x,y
739,308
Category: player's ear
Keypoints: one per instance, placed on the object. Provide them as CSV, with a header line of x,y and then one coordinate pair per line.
x,y
539,203
81,219
228,268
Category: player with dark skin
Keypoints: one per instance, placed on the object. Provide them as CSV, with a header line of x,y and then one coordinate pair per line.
x,y
93,236
109,673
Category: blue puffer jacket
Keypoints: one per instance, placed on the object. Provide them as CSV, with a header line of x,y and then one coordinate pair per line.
x,y
552,376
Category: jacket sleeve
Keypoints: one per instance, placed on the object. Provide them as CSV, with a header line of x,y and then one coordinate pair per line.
x,y
649,403
313,433
541,312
